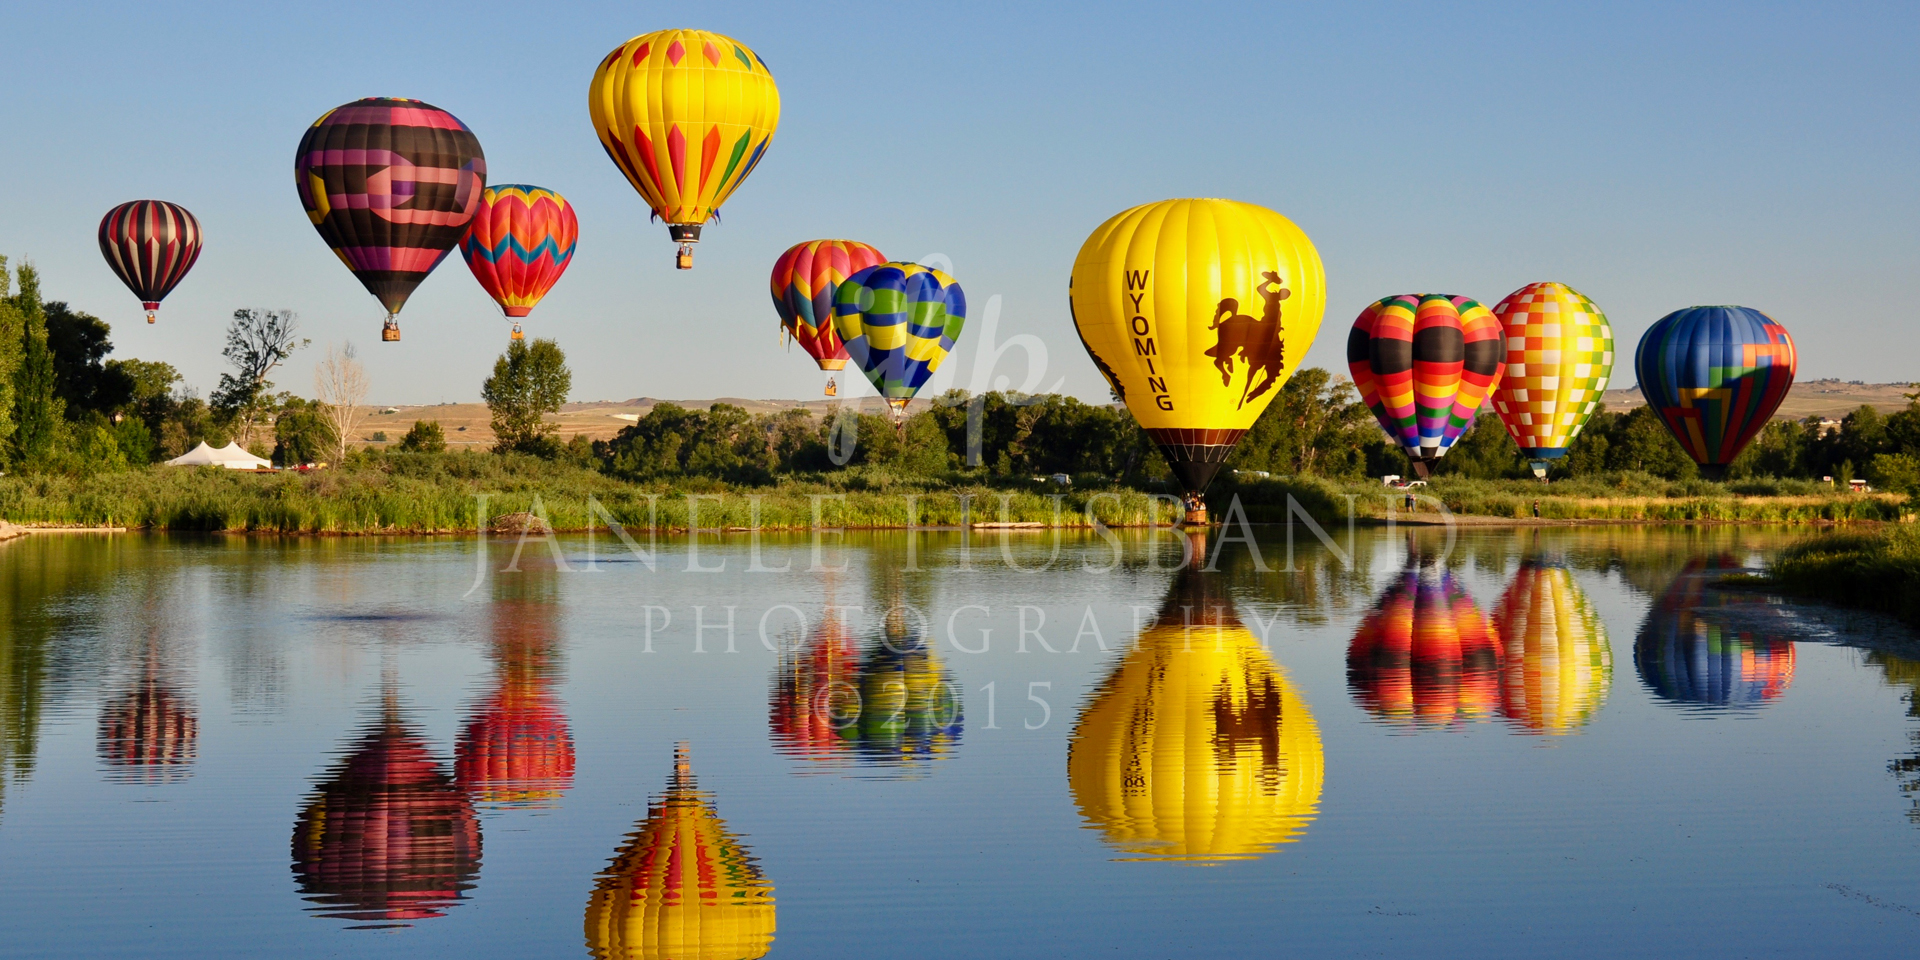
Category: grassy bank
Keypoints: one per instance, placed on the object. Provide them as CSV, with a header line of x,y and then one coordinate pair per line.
x,y
1875,569
433,493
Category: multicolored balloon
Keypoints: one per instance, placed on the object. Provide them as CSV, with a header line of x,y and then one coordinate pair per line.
x,y
516,749
686,115
519,244
150,245
1423,362
804,282
1715,375
1559,664
1559,359
682,886
1425,656
391,185
1179,305
1689,654
899,321
1197,746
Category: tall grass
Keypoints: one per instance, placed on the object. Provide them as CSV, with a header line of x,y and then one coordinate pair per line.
x,y
1875,569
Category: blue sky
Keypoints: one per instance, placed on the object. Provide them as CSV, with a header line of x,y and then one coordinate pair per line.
x,y
1652,156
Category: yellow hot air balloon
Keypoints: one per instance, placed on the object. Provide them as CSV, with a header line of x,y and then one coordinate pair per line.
x,y
1196,747
1197,312
1558,664
682,888
685,114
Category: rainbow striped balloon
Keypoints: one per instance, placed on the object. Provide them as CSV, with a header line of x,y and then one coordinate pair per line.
x,y
521,241
1425,656
804,282
1423,363
899,321
1559,359
1715,375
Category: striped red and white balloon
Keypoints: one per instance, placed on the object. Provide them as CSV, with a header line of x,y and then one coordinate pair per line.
x,y
150,244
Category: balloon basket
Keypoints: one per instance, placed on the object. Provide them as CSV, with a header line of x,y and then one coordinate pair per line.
x,y
390,331
683,260
518,334
150,316
1195,518
833,389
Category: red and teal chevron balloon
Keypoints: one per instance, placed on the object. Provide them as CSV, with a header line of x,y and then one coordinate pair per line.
x,y
521,241
804,281
899,321
1715,375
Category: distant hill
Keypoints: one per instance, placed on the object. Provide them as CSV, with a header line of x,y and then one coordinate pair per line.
x,y
466,424
1808,398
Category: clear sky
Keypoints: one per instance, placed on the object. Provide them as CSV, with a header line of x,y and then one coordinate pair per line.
x,y
1653,156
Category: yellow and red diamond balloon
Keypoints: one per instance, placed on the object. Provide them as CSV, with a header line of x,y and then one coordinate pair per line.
x,y
685,114
1559,359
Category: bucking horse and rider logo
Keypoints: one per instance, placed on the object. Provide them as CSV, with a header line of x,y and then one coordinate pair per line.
x,y
1256,342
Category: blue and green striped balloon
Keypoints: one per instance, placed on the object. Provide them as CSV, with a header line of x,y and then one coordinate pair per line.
x,y
899,321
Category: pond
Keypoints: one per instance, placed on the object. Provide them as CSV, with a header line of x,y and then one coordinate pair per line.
x,y
1516,742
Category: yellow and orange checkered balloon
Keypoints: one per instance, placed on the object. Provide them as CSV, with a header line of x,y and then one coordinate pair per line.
x,y
1559,358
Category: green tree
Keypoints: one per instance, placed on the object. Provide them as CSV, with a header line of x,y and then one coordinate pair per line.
x,y
425,437
38,409
257,342
80,343
302,433
529,381
12,340
723,442
1895,473
1640,441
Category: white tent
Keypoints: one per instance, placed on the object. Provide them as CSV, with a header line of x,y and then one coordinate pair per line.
x,y
229,456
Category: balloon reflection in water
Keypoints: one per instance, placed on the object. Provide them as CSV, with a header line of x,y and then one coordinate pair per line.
x,y
1559,664
388,836
1425,656
895,706
516,749
682,887
149,732
1693,650
1196,747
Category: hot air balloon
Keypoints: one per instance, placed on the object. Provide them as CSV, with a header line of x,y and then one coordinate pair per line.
x,y
899,321
1425,656
519,243
387,837
1559,664
804,282
815,696
391,185
1715,375
1559,358
150,244
1196,747
516,749
148,732
685,114
1164,297
1423,362
1690,652
682,887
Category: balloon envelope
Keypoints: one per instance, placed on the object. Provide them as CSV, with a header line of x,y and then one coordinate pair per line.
x,y
681,888
1197,746
899,321
1697,648
1425,656
391,185
1197,312
685,115
150,245
1559,350
1559,663
1423,362
519,243
804,282
1715,375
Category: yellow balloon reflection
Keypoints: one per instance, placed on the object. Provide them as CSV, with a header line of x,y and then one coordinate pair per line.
x,y
1558,664
682,888
1196,747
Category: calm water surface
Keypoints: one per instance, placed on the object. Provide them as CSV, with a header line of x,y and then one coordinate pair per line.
x,y
1561,742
